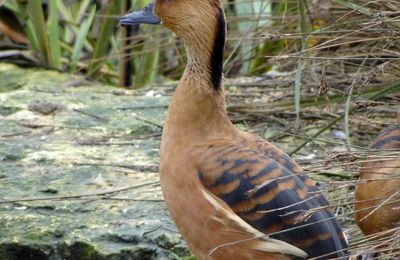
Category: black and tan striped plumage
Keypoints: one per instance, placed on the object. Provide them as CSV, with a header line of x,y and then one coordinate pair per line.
x,y
265,188
231,194
377,195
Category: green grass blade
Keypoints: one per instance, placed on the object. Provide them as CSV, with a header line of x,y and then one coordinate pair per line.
x,y
65,13
104,38
82,10
36,16
80,39
72,27
147,69
69,32
30,33
12,5
303,26
54,36
297,92
297,86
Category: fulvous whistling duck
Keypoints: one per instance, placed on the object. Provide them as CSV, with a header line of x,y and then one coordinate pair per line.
x,y
231,194
377,195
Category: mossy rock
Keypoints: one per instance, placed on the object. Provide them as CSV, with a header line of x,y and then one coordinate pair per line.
x,y
84,147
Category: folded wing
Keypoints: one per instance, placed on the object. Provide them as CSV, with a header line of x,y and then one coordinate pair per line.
x,y
272,199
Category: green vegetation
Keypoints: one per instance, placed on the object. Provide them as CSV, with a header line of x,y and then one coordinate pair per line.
x,y
81,36
72,36
301,36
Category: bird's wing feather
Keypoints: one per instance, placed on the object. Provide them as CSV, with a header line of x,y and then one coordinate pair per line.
x,y
270,198
273,152
254,242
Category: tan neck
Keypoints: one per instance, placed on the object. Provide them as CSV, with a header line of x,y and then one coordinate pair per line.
x,y
197,111
198,61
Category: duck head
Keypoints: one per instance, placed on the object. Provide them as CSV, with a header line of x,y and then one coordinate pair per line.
x,y
184,17
201,25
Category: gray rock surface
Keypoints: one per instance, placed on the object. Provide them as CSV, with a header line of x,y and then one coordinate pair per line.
x,y
78,171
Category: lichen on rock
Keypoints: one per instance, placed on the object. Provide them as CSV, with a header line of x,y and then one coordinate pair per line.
x,y
79,179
